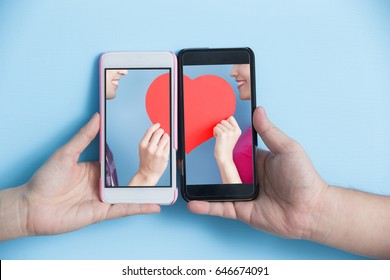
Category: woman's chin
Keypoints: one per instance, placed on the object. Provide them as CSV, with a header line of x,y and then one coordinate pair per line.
x,y
245,95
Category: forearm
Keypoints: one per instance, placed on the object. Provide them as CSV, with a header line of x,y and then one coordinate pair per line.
x,y
13,213
353,221
229,172
142,180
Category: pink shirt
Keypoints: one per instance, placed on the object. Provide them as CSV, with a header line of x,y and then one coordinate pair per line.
x,y
242,157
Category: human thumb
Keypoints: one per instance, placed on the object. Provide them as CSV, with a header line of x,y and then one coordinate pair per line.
x,y
276,141
82,138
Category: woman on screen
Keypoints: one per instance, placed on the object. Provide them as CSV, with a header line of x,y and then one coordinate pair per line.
x,y
233,151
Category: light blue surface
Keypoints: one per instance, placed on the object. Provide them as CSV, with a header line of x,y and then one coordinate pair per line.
x,y
323,71
127,122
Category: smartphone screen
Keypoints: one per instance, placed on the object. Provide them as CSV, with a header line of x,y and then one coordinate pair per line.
x,y
218,99
136,100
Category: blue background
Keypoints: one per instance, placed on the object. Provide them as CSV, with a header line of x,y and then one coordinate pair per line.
x,y
201,166
323,71
127,122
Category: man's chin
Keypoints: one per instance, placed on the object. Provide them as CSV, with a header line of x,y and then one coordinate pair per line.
x,y
110,96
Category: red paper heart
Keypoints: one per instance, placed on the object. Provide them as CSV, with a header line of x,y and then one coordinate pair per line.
x,y
208,100
157,102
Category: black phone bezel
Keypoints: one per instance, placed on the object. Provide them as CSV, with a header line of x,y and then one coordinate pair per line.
x,y
215,192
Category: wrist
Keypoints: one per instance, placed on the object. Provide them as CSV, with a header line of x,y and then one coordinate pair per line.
x,y
143,179
228,171
321,215
224,161
13,213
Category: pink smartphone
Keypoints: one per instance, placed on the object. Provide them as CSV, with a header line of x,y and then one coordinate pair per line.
x,y
138,127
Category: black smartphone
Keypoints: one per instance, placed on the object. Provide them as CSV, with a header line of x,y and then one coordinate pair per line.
x,y
217,141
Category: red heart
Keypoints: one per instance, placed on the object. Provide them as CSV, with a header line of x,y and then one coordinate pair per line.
x,y
157,102
208,100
